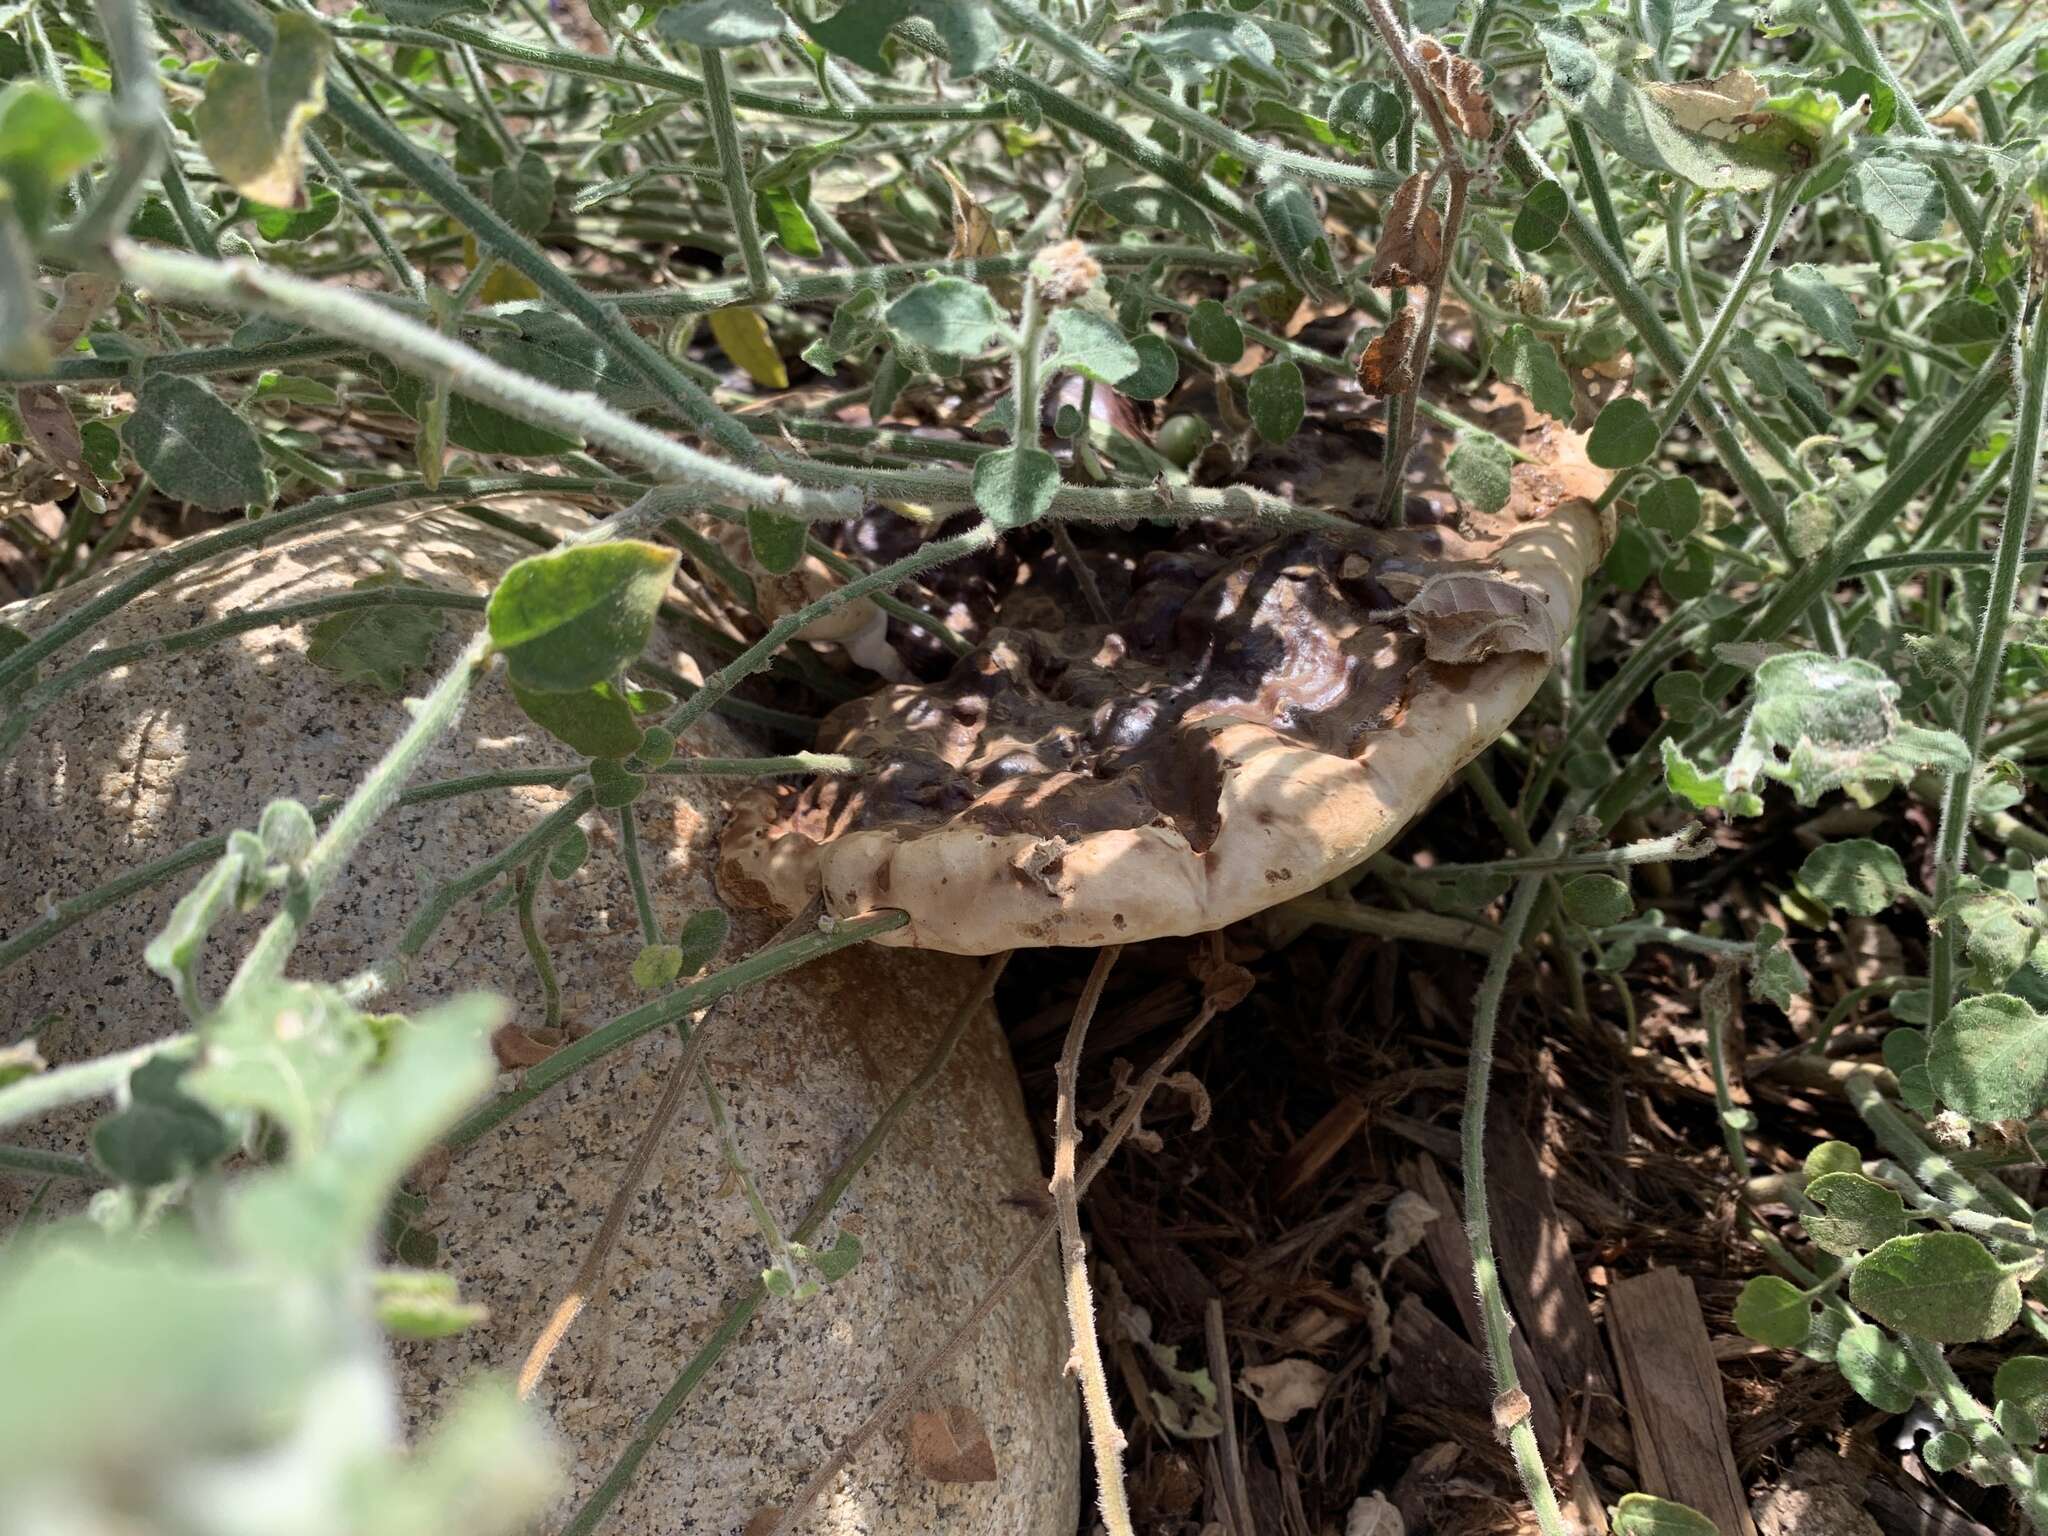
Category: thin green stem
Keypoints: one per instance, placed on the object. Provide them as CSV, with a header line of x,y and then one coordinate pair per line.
x,y
732,167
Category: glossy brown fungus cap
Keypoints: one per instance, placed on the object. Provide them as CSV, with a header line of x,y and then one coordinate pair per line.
x,y
1253,723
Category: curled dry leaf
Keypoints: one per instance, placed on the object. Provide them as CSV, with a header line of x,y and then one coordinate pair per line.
x,y
1379,1317
1465,618
1373,1515
952,1447
52,432
1387,365
85,295
1720,108
1408,1219
1284,1388
1460,86
1411,248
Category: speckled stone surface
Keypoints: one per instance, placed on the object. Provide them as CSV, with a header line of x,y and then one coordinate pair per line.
x,y
143,761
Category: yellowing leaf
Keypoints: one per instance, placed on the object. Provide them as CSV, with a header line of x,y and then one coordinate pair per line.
x,y
505,285
252,117
744,336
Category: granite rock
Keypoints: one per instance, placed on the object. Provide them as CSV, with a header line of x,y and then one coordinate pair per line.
x,y
149,757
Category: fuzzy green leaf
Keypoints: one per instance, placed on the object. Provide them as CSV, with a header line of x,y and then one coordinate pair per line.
x,y
1540,217
1624,434
1855,875
1481,471
283,225
1901,194
2022,1385
595,721
1643,1514
44,142
1597,901
720,23
1832,1157
1015,486
776,541
1858,1213
571,618
1671,506
613,785
948,315
857,30
1146,207
1819,722
1158,369
288,1052
1093,347
1278,400
1806,290
421,1304
379,646
1527,361
523,193
1216,333
1941,1286
193,446
1882,1373
1774,1312
1989,1058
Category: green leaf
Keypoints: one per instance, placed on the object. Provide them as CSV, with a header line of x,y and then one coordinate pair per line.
x,y
2001,931
279,225
1481,471
1806,290
1671,506
1147,207
1945,1451
838,1261
194,447
1722,144
1367,110
1216,333
523,193
1819,722
947,314
378,646
421,1304
1882,1373
1774,975
1702,790
782,215
44,142
1962,321
288,1051
1630,560
1855,875
720,23
1901,194
1989,1058
1530,363
1540,217
1278,400
1643,1514
1624,434
656,966
254,115
1859,1213
571,618
1774,1312
1297,235
856,31
777,542
613,785
1853,83
1158,369
476,426
161,1133
1666,20
1015,486
2022,1382
568,853
1092,346
1905,1052
702,936
1689,573
1681,696
1832,1157
1944,1287
595,721
1597,901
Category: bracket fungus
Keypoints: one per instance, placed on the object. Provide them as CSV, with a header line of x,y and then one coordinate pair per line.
x,y
1258,718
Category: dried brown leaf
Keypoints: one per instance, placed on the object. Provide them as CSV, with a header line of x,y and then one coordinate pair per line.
x,y
1463,619
52,432
1285,1387
1460,86
952,1447
85,295
1411,248
1387,365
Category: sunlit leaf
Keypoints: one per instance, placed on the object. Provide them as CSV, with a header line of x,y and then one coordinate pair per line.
x,y
254,115
571,618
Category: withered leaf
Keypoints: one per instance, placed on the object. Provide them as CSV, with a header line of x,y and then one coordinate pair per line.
x,y
1463,619
1411,248
1387,365
952,1447
52,432
1460,86
85,295
1720,108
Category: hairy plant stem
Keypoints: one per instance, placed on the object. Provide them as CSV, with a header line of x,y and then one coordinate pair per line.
x,y
1988,657
527,883
1104,1438
732,167
325,307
